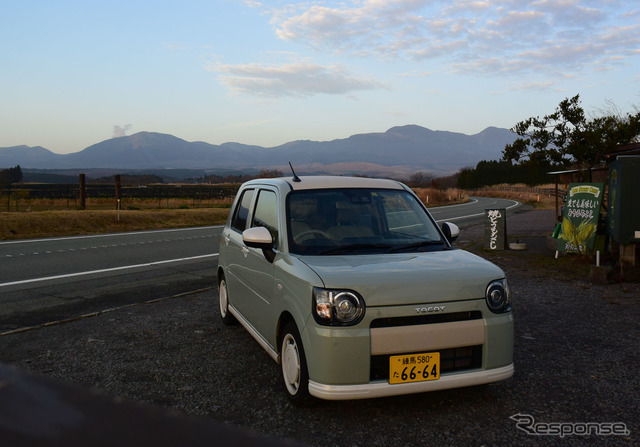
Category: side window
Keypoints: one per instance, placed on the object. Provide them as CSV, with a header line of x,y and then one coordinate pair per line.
x,y
266,214
239,221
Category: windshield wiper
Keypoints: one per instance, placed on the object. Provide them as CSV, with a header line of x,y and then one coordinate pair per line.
x,y
354,248
415,246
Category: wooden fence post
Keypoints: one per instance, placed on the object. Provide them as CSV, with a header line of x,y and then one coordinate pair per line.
x,y
83,192
118,190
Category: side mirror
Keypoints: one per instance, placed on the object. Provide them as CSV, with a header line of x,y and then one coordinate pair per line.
x,y
451,231
259,237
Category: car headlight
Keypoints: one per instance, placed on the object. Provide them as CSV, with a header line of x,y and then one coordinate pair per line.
x,y
498,297
337,307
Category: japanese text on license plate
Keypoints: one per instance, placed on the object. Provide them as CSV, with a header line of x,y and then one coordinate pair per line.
x,y
414,367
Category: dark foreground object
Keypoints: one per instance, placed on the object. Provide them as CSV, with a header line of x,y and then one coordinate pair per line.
x,y
40,411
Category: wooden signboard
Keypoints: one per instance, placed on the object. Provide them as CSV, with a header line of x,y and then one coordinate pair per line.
x,y
495,229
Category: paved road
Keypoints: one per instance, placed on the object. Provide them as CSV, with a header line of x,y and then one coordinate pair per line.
x,y
45,260
473,211
57,278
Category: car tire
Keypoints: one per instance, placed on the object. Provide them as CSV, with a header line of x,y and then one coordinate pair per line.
x,y
223,299
295,375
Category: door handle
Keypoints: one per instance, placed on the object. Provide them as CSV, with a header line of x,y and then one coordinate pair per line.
x,y
226,239
245,250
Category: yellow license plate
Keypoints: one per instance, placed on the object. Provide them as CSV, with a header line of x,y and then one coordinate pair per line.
x,y
414,367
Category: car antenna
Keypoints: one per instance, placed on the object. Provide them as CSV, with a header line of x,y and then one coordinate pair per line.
x,y
295,177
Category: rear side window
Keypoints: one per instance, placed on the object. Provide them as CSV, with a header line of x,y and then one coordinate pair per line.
x,y
239,221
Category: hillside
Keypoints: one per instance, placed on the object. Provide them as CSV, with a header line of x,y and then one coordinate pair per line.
x,y
399,150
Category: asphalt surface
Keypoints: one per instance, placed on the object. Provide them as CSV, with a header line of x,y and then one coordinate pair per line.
x,y
576,358
51,279
465,214
42,260
44,280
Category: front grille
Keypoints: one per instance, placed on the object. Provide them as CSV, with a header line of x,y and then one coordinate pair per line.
x,y
454,359
426,319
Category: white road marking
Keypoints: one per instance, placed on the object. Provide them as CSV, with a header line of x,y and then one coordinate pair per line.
x,y
435,208
94,247
106,235
451,219
113,269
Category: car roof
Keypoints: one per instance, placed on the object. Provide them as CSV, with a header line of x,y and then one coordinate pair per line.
x,y
327,181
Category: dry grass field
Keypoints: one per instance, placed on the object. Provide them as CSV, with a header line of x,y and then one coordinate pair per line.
x,y
18,204
37,224
522,193
439,197
29,219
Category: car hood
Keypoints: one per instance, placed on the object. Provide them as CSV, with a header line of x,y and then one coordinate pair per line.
x,y
402,279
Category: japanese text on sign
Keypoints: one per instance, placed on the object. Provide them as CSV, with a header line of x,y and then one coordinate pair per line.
x,y
493,215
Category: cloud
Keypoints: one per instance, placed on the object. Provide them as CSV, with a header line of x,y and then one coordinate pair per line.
x,y
345,28
480,35
121,131
543,85
297,79
175,46
438,48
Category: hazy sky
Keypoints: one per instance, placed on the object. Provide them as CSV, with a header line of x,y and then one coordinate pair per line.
x,y
74,73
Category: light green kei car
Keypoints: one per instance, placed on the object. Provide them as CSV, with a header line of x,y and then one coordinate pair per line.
x,y
353,288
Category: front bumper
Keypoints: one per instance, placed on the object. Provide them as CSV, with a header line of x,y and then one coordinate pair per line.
x,y
475,345
384,389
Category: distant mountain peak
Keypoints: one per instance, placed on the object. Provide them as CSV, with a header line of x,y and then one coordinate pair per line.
x,y
400,149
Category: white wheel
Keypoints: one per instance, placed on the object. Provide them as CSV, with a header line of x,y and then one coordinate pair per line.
x,y
223,300
294,365
290,364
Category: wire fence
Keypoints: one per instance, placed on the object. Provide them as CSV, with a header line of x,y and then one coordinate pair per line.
x,y
25,197
548,191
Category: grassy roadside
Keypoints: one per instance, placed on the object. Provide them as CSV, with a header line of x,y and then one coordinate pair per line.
x,y
56,221
68,223
537,200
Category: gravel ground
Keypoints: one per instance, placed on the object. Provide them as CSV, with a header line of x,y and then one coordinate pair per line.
x,y
576,357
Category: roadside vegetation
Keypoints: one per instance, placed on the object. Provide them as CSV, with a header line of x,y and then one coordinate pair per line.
x,y
540,196
56,223
565,139
53,218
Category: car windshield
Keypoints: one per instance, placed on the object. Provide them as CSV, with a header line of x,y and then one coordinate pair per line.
x,y
359,221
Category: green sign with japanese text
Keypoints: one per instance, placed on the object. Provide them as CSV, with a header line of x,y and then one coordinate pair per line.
x,y
580,217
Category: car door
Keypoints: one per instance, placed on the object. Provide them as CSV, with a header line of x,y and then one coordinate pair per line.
x,y
235,251
259,268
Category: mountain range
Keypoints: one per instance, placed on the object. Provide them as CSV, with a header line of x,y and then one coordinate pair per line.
x,y
399,150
